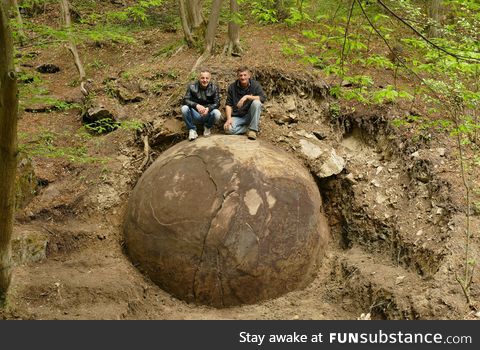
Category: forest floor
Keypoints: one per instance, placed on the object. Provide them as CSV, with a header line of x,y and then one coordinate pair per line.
x,y
396,212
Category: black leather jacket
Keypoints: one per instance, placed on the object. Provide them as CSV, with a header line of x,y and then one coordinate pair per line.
x,y
209,97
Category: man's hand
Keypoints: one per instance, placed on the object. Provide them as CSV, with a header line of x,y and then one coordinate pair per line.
x,y
243,100
205,112
202,110
228,124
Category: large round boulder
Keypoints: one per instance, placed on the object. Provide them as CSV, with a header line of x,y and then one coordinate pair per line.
x,y
225,221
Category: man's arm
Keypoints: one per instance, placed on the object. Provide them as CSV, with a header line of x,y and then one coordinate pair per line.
x,y
258,91
229,108
246,98
216,99
188,99
228,114
257,94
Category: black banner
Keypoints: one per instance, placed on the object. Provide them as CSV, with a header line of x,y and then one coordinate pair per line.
x,y
240,334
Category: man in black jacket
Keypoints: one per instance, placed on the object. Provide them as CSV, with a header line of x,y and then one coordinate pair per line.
x,y
244,105
200,105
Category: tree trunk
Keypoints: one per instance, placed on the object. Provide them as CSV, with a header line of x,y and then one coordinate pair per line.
x,y
212,25
185,23
72,46
194,14
210,35
8,150
193,22
300,7
280,9
233,45
21,32
434,12
12,6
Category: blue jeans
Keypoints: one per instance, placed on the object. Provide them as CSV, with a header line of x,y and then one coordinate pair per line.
x,y
251,120
191,116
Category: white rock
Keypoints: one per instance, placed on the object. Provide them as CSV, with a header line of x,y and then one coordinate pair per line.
x,y
365,317
303,133
332,166
380,198
441,151
310,150
351,178
329,162
290,104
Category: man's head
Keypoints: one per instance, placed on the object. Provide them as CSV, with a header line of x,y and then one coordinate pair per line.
x,y
204,78
243,76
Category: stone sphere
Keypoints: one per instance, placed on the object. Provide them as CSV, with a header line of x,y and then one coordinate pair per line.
x,y
225,221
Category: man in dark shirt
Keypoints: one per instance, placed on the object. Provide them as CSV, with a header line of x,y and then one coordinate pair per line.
x,y
200,105
244,105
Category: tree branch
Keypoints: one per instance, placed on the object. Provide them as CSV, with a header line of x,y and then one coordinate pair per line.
x,y
459,57
342,57
72,46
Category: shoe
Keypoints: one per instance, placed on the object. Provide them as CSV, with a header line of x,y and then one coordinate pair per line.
x,y
252,135
192,135
207,131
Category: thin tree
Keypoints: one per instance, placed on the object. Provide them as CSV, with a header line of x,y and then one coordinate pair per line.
x,y
210,34
12,6
187,32
21,32
72,46
233,46
281,9
194,13
433,10
8,150
193,22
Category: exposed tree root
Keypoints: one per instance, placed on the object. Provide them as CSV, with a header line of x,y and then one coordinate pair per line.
x,y
146,150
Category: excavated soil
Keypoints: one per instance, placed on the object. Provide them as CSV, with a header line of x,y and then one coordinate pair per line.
x,y
396,209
